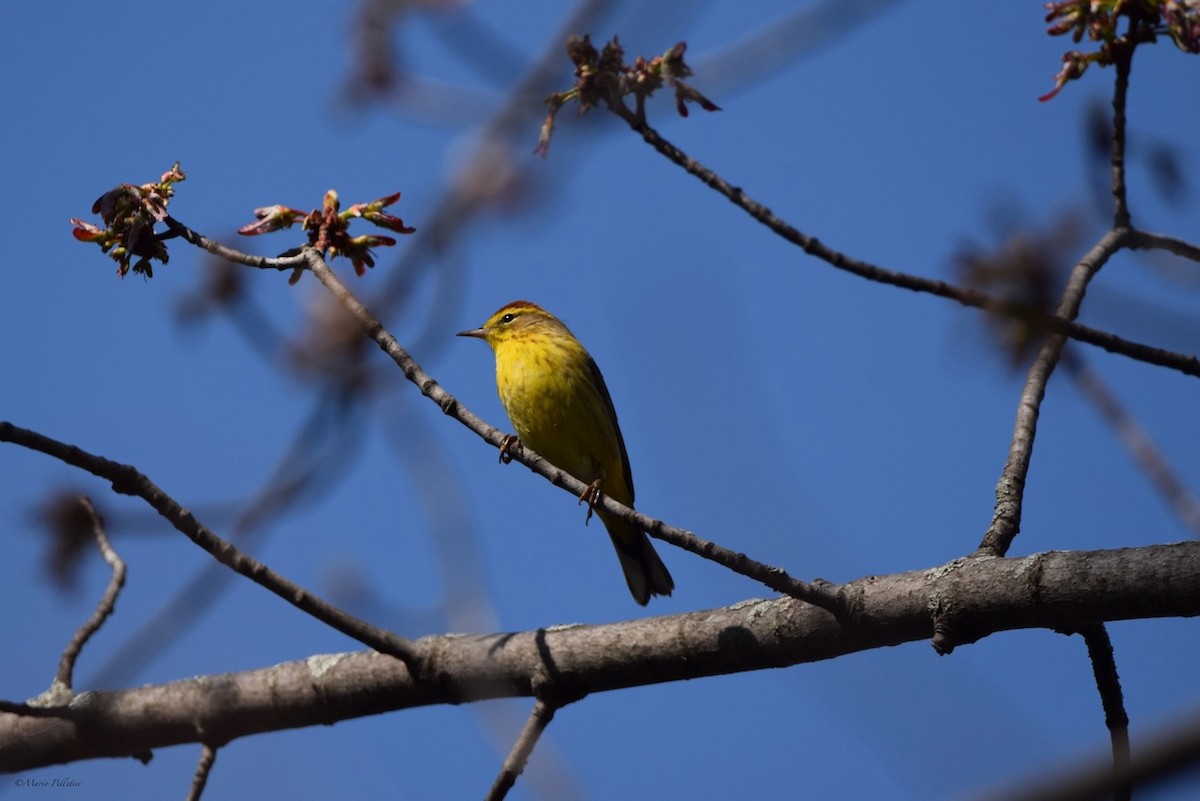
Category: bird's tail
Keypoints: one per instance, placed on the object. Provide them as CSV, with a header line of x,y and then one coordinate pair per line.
x,y
645,572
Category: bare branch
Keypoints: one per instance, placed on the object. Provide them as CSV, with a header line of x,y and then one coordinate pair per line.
x,y
204,766
1122,58
229,254
518,757
126,480
1145,240
66,665
1104,668
1010,489
1189,365
1063,591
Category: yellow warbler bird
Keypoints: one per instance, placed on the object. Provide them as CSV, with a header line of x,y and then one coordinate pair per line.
x,y
556,398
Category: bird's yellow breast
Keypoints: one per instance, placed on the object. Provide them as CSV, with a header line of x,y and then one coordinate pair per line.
x,y
547,388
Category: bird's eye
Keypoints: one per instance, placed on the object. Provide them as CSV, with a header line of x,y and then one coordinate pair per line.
x,y
508,318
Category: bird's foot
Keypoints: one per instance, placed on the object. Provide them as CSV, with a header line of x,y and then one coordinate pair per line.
x,y
507,446
592,496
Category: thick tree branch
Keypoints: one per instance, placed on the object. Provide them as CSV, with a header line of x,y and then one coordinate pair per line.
x,y
982,596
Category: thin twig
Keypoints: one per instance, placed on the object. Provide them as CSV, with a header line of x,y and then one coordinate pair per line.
x,y
1123,58
1186,364
518,757
1104,668
1146,240
214,247
127,480
1010,489
66,665
777,579
1135,438
204,766
1006,519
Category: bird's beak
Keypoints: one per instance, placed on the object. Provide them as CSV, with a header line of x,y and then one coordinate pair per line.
x,y
478,333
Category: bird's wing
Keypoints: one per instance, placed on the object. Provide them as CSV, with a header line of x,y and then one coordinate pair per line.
x,y
598,380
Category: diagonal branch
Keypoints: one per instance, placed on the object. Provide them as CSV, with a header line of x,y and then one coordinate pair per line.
x,y
776,578
1188,365
1146,240
127,480
518,757
1010,489
204,766
1104,668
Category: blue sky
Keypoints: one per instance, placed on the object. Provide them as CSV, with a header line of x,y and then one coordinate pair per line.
x,y
770,403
